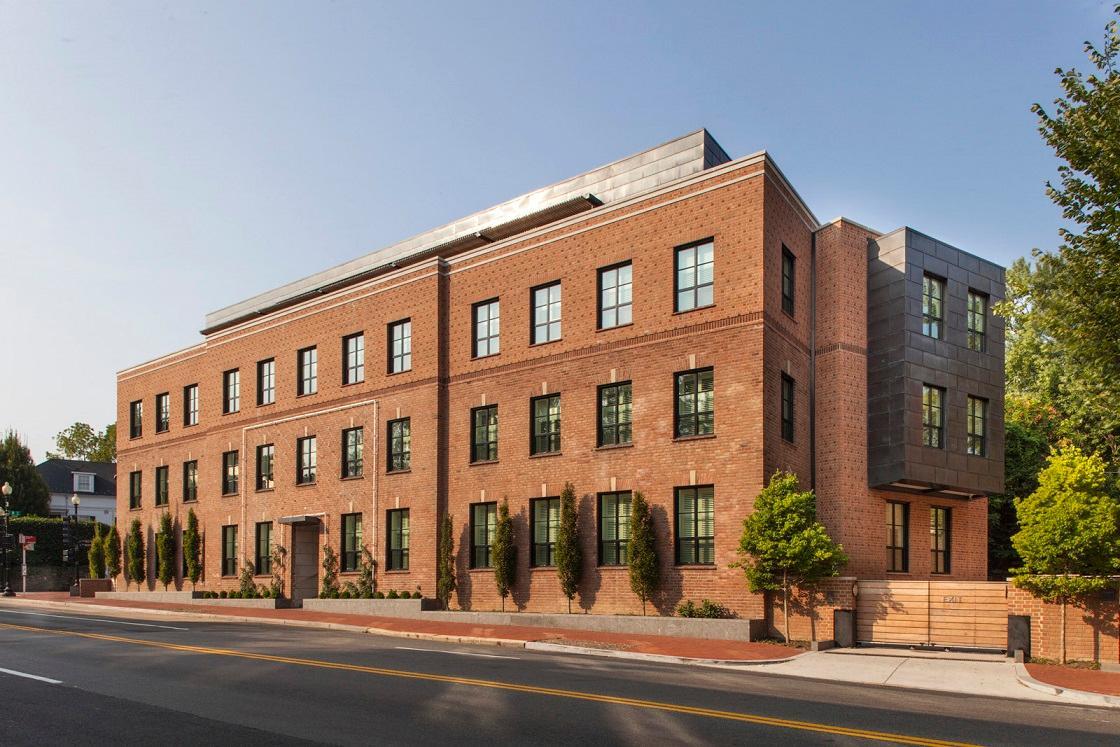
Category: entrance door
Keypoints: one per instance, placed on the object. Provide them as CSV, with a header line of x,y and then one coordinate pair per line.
x,y
305,562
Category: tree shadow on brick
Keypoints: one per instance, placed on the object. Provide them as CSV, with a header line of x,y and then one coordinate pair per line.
x,y
670,585
464,579
592,580
522,540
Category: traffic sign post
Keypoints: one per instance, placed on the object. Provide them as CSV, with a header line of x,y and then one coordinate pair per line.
x,y
27,542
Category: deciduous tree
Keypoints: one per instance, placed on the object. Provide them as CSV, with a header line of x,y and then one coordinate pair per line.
x,y
80,441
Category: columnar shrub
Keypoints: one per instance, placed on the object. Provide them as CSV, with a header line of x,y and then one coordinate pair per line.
x,y
246,586
191,549
569,556
112,543
445,583
641,550
135,552
96,554
504,553
165,551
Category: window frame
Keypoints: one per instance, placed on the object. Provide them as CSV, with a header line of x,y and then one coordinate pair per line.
x,y
696,413
162,485
263,564
350,529
229,550
190,481
971,419
266,369
533,435
405,356
191,405
696,286
490,509
353,464
933,431
552,529
601,428
136,419
977,338
697,540
231,391
400,561
619,543
354,371
788,406
898,552
307,464
135,489
930,322
403,455
493,340
491,446
599,288
307,371
789,278
940,540
261,484
559,321
163,412
231,486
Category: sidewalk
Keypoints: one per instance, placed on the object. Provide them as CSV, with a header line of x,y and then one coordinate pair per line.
x,y
1068,678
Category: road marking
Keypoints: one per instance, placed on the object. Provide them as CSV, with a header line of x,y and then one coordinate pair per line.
x,y
750,718
93,619
457,653
48,680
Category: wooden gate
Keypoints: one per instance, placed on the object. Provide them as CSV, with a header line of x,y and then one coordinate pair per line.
x,y
933,613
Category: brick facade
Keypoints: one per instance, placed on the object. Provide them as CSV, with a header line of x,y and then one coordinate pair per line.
x,y
1091,626
749,212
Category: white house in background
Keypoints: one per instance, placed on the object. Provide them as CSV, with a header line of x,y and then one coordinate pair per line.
x,y
95,484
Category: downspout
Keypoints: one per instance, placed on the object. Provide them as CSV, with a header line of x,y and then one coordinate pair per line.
x,y
813,363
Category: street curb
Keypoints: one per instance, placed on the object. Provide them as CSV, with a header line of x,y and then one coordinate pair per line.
x,y
1078,696
561,648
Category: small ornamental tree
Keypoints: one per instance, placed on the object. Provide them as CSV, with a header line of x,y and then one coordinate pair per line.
x,y
783,545
641,551
329,585
1069,536
279,561
96,555
569,558
366,566
504,553
165,551
245,579
445,566
191,544
135,552
112,544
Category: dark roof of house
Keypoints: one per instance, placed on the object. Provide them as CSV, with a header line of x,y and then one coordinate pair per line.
x,y
59,475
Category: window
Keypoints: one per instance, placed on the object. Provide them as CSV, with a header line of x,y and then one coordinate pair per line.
x,y
787,408
933,416
161,486
615,301
615,403
545,413
977,426
265,463
939,524
933,294
230,472
789,269
695,276
695,414
546,523
135,488
352,452
190,405
264,548
305,460
546,313
977,321
614,528
400,445
231,391
83,482
400,346
163,412
136,419
484,434
266,382
308,363
354,358
229,550
190,481
484,521
397,526
487,323
898,537
695,507
351,542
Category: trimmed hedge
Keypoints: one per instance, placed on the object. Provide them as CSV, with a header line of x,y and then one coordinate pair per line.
x,y
48,538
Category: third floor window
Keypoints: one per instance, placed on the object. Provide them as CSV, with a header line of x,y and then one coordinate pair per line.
x,y
933,313
163,412
695,276
933,416
789,269
546,313
266,382
136,419
308,363
787,408
190,405
977,321
231,391
977,417
400,346
354,358
615,296
487,332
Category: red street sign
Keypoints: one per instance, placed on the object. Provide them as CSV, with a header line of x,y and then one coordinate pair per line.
x,y
27,539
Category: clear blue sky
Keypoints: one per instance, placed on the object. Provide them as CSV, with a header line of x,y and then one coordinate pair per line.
x,y
161,160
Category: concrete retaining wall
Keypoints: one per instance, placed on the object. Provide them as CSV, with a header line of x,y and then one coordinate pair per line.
x,y
379,607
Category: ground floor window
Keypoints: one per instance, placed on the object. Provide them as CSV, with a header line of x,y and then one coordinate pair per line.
x,y
264,548
484,522
229,550
695,508
614,527
397,526
351,541
898,537
939,526
545,518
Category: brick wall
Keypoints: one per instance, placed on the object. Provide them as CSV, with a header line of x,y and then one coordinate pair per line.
x,y
811,612
1091,626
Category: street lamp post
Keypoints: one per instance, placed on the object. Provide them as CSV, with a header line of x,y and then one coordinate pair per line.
x,y
74,499
6,490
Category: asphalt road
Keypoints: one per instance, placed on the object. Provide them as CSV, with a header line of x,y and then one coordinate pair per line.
x,y
145,680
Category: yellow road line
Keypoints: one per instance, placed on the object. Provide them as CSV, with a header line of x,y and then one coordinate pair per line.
x,y
497,685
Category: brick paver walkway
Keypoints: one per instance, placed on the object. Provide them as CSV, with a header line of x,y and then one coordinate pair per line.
x,y
696,648
1089,680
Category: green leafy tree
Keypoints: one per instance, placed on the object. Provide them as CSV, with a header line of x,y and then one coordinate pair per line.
x,y
569,555
192,544
134,549
366,567
30,495
329,584
784,546
112,543
279,561
80,441
1069,536
95,558
165,551
641,551
445,581
504,553
245,579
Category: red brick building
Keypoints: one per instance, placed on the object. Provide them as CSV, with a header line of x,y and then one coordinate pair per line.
x,y
676,323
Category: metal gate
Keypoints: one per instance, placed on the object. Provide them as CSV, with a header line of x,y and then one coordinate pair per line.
x,y
933,613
